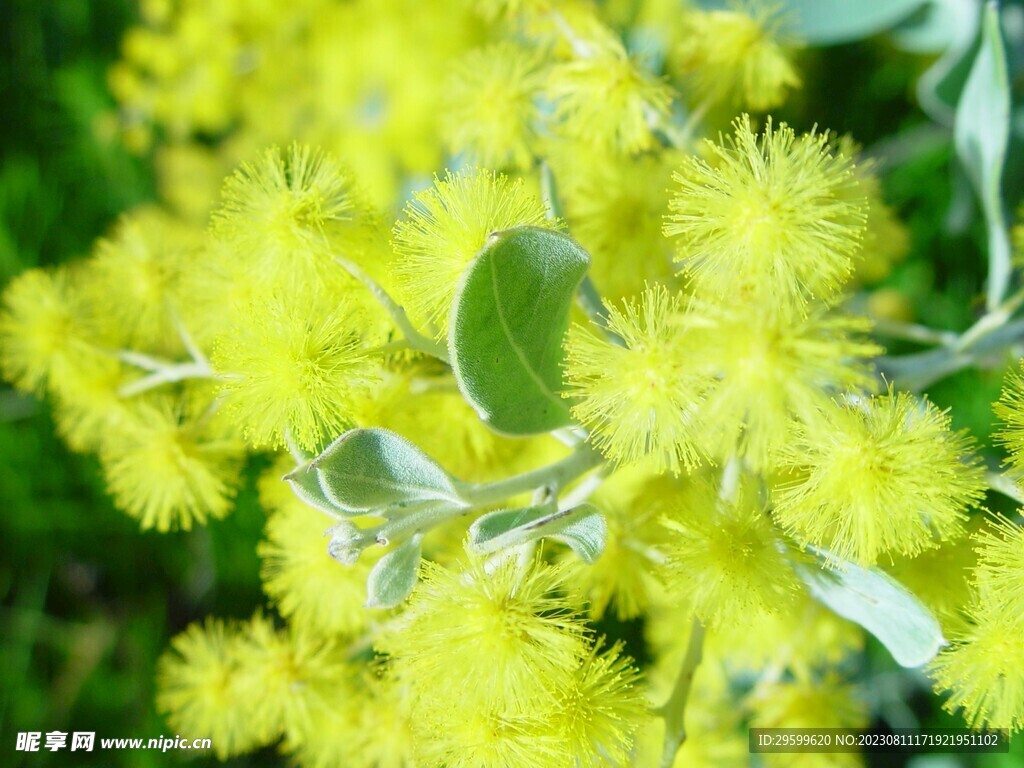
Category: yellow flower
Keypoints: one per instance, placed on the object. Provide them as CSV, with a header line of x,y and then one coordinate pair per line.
x,y
606,99
170,469
639,398
877,476
496,640
200,688
725,558
40,329
999,575
293,365
734,58
1010,410
983,670
771,369
772,214
309,587
488,111
444,228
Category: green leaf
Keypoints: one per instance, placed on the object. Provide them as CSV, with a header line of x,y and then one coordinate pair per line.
x,y
373,470
582,528
508,323
394,575
981,133
827,22
306,486
881,605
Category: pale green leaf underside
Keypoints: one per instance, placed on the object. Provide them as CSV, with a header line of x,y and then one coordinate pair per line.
x,y
881,605
826,22
582,528
394,575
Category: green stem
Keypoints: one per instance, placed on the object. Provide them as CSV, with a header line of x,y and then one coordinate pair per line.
x,y
913,332
416,339
554,476
674,710
169,374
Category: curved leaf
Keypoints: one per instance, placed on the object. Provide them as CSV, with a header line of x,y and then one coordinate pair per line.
x,y
508,323
827,22
372,470
394,575
582,528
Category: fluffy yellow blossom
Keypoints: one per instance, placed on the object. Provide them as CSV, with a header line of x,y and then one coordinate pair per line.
x,y
771,369
983,670
489,111
201,687
734,58
309,587
497,640
878,475
999,576
621,226
605,98
1010,411
638,398
293,366
170,468
771,213
40,329
446,225
725,558
292,211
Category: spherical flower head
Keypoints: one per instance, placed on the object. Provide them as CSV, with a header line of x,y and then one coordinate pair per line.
x,y
88,407
983,671
1009,409
40,333
497,640
638,398
598,715
770,369
290,677
734,58
291,210
200,688
479,738
446,225
606,99
876,476
621,226
169,468
306,584
488,111
292,367
771,213
725,557
999,576
132,277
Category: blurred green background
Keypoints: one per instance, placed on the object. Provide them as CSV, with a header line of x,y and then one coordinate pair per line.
x,y
88,602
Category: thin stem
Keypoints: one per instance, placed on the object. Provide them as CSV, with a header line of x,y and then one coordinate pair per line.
x,y
674,710
170,374
555,476
921,334
416,339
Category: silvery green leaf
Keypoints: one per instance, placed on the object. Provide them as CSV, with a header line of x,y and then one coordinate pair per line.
x,y
582,528
374,470
394,575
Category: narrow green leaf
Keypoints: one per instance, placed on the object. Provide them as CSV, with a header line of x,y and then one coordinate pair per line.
x,y
508,323
372,470
981,134
582,528
881,605
827,22
394,575
306,486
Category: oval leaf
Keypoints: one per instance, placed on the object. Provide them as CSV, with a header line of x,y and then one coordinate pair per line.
x,y
827,22
582,528
372,470
394,575
508,323
981,134
881,605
